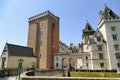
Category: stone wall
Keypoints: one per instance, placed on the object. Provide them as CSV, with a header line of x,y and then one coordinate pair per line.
x,y
48,72
63,78
27,63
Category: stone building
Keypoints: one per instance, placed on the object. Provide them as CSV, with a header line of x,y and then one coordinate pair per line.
x,y
98,50
12,53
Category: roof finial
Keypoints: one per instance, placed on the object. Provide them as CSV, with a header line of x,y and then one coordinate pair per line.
x,y
105,5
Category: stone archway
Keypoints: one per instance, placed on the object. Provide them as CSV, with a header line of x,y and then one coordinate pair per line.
x,y
64,63
79,63
71,63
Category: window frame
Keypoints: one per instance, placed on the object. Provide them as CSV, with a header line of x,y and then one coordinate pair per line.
x,y
114,36
102,65
57,64
101,57
98,38
118,65
100,47
87,65
113,28
116,47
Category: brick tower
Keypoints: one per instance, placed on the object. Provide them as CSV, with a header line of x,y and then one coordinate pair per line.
x,y
43,37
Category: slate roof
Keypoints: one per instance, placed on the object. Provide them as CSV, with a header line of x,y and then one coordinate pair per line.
x,y
16,50
88,29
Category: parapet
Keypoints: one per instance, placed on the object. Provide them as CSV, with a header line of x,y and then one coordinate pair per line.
x,y
112,19
42,15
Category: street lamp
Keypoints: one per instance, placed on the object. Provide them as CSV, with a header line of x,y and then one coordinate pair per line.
x,y
118,65
20,60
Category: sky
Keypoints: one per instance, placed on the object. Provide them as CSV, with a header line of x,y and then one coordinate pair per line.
x,y
73,15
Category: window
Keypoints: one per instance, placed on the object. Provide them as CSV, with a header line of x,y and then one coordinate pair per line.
x,y
56,64
114,36
57,58
99,47
98,38
40,42
113,28
116,47
4,53
100,56
4,50
86,58
117,55
118,64
86,64
41,32
102,65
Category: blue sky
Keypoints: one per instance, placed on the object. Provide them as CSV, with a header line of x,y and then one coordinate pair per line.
x,y
73,15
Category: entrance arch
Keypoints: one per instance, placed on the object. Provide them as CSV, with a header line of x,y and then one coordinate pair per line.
x,y
64,63
71,63
79,63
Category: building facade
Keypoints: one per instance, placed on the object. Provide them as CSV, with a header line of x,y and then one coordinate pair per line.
x,y
98,50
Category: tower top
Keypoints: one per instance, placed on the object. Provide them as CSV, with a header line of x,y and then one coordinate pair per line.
x,y
42,15
88,27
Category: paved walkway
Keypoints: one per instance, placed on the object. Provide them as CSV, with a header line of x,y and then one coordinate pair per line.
x,y
9,78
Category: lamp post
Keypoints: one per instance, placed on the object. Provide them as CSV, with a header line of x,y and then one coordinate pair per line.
x,y
20,60
118,66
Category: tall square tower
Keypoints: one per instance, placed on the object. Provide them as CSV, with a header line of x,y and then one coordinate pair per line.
x,y
43,37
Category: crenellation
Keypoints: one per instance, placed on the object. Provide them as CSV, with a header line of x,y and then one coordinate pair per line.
x,y
112,19
42,15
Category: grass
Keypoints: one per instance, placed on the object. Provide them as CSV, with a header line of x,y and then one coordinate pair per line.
x,y
95,74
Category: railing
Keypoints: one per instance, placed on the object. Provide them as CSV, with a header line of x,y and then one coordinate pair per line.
x,y
8,72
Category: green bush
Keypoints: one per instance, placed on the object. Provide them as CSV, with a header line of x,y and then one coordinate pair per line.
x,y
95,74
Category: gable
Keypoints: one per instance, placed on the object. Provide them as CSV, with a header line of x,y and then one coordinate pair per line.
x,y
5,51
